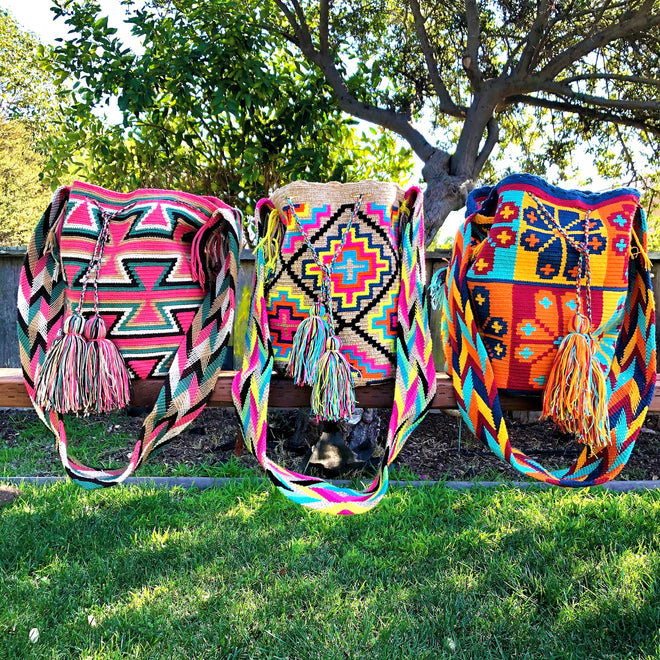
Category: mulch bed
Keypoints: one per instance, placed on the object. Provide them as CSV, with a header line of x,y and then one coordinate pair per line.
x,y
440,448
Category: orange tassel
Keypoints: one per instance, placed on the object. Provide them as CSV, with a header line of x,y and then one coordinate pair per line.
x,y
576,395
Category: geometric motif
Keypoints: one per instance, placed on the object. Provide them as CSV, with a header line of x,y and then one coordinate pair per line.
x,y
365,276
531,287
523,280
285,312
146,286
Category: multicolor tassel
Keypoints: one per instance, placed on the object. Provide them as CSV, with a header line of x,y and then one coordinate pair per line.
x,y
106,379
333,395
309,343
437,288
271,243
59,384
575,395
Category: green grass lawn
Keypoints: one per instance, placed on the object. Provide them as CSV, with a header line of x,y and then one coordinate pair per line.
x,y
240,572
33,451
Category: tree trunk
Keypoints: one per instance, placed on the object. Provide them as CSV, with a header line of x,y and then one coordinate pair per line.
x,y
445,192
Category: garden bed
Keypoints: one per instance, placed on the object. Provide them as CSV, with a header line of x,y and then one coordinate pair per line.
x,y
441,448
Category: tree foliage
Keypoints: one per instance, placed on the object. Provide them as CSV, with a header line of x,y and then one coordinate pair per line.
x,y
212,102
23,196
27,110
535,77
26,90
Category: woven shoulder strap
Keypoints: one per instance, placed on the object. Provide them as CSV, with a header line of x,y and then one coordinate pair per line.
x,y
194,370
630,382
413,391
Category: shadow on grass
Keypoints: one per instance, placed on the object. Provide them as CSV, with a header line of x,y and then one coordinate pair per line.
x,y
240,572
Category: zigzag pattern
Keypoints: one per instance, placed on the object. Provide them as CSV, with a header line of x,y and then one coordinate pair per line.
x,y
196,364
630,382
414,384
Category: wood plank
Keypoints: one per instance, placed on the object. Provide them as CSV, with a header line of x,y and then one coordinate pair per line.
x,y
283,394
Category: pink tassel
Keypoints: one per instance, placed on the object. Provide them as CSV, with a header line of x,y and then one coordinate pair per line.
x,y
207,252
106,378
59,384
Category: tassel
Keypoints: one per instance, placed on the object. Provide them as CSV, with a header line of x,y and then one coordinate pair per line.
x,y
59,384
106,378
271,243
333,396
308,345
437,288
575,395
207,254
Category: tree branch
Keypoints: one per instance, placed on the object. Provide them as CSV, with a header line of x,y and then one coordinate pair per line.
x,y
533,38
559,89
471,58
300,29
642,20
611,76
394,121
493,137
581,110
447,105
324,27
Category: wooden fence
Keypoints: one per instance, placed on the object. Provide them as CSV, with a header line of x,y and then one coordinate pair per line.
x,y
11,261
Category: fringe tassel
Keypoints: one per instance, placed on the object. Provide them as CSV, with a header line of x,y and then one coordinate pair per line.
x,y
59,385
208,250
575,394
308,344
106,377
333,395
437,288
272,240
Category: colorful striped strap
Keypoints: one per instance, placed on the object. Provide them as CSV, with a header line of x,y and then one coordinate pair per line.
x,y
413,391
194,371
630,382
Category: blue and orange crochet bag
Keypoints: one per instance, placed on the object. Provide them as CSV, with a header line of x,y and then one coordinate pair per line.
x,y
548,291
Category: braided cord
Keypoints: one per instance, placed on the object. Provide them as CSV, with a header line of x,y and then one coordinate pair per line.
x,y
94,266
584,263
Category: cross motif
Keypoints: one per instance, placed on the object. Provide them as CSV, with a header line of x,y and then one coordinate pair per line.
x,y
528,329
481,264
285,324
547,269
507,212
532,241
504,237
621,245
348,266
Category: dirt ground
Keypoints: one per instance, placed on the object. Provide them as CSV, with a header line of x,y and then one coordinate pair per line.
x,y
440,448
